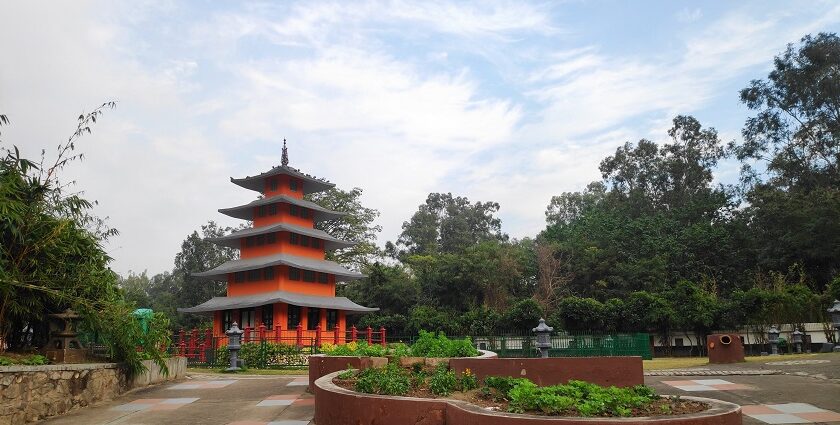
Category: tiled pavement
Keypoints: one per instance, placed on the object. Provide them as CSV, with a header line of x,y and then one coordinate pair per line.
x,y
205,399
706,385
790,413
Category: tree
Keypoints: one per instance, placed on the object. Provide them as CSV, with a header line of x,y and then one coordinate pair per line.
x,y
357,226
390,288
450,224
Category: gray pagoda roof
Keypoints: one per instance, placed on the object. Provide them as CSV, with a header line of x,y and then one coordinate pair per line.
x,y
241,265
256,300
330,243
246,212
310,184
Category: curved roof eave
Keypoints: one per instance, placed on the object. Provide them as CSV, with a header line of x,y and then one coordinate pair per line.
x,y
330,243
310,184
241,265
246,211
256,300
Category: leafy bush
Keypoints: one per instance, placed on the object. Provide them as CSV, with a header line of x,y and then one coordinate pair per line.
x,y
35,360
443,381
468,381
263,355
360,348
431,345
388,380
587,399
5,361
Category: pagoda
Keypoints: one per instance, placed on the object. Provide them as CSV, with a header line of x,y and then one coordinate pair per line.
x,y
281,280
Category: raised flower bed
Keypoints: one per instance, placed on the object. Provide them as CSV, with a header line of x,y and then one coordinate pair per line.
x,y
417,395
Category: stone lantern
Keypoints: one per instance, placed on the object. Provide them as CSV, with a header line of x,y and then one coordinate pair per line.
x,y
773,337
543,332
834,313
234,335
797,340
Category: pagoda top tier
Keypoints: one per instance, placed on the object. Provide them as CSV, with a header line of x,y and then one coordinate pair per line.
x,y
310,184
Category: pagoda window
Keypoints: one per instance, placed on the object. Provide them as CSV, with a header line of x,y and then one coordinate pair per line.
x,y
294,239
261,211
293,185
313,318
304,240
271,238
272,209
254,275
293,317
308,276
323,278
226,319
273,183
305,213
316,243
260,240
268,316
294,273
247,315
268,273
332,319
239,276
249,241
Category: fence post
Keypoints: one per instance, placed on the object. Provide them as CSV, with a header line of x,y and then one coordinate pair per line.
x,y
193,342
182,349
279,331
262,332
336,332
182,336
202,355
369,336
353,333
382,334
247,334
208,338
318,336
299,336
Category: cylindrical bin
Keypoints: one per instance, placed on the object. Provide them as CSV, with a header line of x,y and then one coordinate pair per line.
x,y
725,348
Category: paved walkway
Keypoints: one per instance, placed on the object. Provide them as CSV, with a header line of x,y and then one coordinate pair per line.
x,y
206,399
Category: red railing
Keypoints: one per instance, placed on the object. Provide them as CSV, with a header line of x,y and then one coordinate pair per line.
x,y
195,344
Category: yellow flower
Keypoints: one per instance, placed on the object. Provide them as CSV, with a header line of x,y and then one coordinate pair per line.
x,y
467,372
352,346
328,347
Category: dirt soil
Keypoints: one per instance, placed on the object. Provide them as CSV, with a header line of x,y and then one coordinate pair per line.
x,y
663,407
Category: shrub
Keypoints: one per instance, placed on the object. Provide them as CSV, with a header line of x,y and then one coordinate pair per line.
x,y
431,345
5,361
35,360
263,355
468,381
360,348
388,380
443,381
588,399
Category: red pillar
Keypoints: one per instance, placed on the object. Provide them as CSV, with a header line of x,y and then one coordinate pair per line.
x,y
336,333
382,334
299,336
318,336
247,334
369,336
353,333
279,334
182,337
262,332
208,338
202,356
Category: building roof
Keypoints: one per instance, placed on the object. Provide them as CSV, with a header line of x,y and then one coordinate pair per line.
x,y
310,184
246,212
330,243
256,300
241,265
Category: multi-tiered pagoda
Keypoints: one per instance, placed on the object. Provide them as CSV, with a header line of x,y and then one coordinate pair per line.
x,y
281,279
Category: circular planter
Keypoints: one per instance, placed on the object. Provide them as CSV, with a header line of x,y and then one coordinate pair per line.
x,y
337,406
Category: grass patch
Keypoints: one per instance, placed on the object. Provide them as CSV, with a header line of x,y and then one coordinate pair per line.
x,y
688,362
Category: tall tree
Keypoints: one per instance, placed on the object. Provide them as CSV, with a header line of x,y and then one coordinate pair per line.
x,y
357,226
450,224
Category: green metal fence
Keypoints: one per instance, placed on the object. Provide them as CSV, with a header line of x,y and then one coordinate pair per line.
x,y
570,345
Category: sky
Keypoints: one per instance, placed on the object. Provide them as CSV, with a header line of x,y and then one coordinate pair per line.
x,y
508,101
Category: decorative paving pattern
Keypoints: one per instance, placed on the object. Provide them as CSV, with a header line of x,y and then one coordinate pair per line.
x,y
797,362
202,385
154,404
298,382
790,413
706,385
711,372
278,400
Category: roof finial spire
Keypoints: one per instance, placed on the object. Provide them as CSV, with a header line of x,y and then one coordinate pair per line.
x,y
284,161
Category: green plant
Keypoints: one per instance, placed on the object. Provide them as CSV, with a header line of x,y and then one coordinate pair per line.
x,y
5,361
429,344
35,360
468,381
443,381
588,399
388,380
347,374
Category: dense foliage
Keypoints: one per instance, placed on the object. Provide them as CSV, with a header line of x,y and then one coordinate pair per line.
x,y
428,344
52,258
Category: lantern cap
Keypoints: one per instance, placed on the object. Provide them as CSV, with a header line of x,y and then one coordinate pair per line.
x,y
234,330
834,308
542,327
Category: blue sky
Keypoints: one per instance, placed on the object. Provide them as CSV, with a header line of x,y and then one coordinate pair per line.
x,y
507,101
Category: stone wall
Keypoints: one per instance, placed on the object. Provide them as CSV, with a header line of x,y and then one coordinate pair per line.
x,y
30,393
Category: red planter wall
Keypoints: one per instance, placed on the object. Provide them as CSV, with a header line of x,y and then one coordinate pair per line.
x,y
618,371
